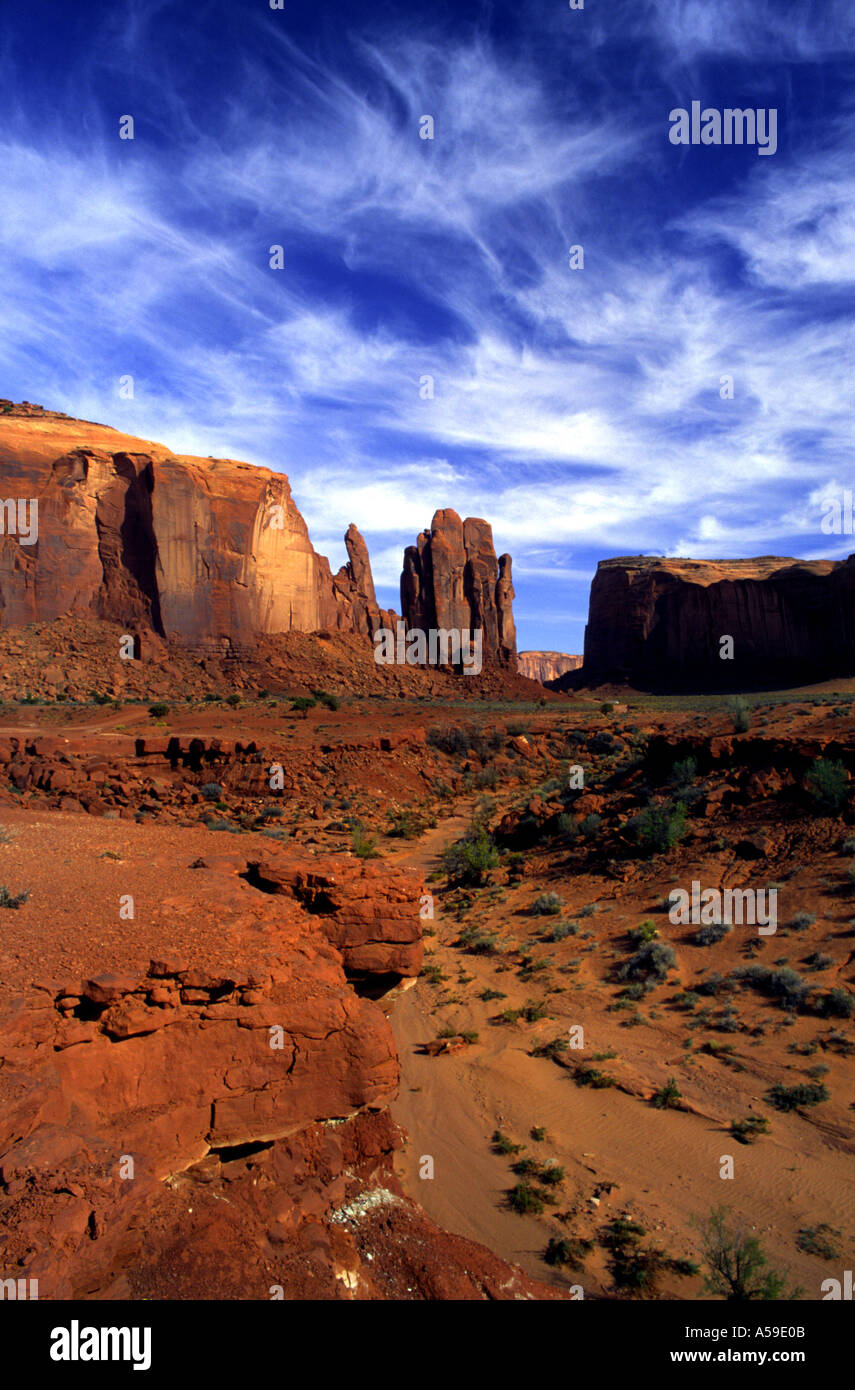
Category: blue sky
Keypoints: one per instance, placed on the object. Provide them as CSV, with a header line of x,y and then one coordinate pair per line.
x,y
579,411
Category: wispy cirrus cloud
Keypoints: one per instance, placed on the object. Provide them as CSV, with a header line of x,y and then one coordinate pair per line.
x,y
579,411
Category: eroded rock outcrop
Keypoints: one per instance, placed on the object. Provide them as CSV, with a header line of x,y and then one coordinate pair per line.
x,y
209,552
452,580
546,666
659,623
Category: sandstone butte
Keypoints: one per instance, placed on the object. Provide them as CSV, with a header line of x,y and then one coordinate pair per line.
x,y
546,666
658,623
211,553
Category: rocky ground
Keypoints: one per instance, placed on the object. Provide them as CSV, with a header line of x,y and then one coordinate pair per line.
x,y
343,1062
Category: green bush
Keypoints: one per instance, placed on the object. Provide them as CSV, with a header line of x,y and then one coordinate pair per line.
x,y
648,931
710,935
12,900
795,1097
828,784
683,773
589,826
561,931
501,1144
668,1097
649,964
468,861
838,1003
746,1131
822,1241
406,825
562,1251
364,846
547,905
740,713
784,984
658,828
158,711
526,1200
212,791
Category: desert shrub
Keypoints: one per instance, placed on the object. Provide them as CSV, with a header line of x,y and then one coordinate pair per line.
x,y
547,905
525,1200
552,1049
470,859
784,984
479,942
710,935
9,899
301,704
737,1267
363,844
668,1097
740,713
714,984
747,1130
827,783
651,963
459,742
326,699
805,1094
683,773
822,1241
585,1075
233,700
648,931
158,711
802,920
589,825
633,1267
563,1251
561,931
658,828
567,827
218,823
501,1144
406,825
212,791
819,960
838,1003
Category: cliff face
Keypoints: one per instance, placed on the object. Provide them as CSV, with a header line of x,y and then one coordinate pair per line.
x,y
452,579
546,666
658,624
207,551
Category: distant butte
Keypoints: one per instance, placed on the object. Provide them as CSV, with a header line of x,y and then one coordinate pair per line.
x,y
658,624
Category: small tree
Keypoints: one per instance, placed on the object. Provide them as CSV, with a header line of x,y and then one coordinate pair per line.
x,y
738,1268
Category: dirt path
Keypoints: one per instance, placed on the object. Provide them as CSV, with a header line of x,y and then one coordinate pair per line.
x,y
662,1167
